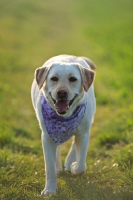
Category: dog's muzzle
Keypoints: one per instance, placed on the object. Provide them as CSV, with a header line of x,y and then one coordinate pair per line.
x,y
62,104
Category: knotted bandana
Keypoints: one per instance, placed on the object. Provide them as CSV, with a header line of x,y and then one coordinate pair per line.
x,y
60,129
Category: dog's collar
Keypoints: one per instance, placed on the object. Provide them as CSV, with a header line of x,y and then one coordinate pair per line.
x,y
61,129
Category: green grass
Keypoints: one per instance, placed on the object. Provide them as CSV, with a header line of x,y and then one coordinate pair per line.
x,y
33,31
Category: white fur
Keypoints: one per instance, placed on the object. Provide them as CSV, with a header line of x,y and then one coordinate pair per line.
x,y
64,66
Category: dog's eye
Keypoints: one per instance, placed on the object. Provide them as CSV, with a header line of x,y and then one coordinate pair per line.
x,y
54,78
72,79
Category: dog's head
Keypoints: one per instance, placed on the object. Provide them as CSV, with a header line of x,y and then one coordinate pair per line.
x,y
64,85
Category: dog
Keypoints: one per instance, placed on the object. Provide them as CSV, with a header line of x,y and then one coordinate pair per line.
x,y
63,98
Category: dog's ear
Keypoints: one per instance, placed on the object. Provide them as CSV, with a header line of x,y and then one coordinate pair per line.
x,y
40,75
87,76
90,63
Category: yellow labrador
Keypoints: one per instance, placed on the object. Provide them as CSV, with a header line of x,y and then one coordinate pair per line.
x,y
63,98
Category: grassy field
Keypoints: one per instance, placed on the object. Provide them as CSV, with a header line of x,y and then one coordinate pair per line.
x,y
31,32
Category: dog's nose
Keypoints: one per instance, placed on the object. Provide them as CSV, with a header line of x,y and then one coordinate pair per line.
x,y
62,93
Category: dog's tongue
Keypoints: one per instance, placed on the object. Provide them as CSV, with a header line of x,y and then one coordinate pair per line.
x,y
61,106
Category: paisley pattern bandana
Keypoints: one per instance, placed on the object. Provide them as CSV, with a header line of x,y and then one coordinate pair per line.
x,y
61,129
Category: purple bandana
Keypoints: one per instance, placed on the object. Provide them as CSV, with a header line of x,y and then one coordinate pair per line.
x,y
61,129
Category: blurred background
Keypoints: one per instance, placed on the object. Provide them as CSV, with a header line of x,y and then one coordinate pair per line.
x,y
33,31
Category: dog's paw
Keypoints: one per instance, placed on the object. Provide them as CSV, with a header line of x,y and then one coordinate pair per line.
x,y
47,192
50,187
76,170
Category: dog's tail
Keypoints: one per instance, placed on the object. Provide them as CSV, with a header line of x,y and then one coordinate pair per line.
x,y
90,63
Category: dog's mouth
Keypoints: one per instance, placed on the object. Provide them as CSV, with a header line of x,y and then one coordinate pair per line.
x,y
62,106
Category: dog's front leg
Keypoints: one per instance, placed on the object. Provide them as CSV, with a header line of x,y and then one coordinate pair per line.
x,y
81,145
49,149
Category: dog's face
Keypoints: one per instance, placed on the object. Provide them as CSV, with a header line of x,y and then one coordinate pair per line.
x,y
64,85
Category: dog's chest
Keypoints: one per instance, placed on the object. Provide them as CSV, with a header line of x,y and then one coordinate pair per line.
x,y
61,129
